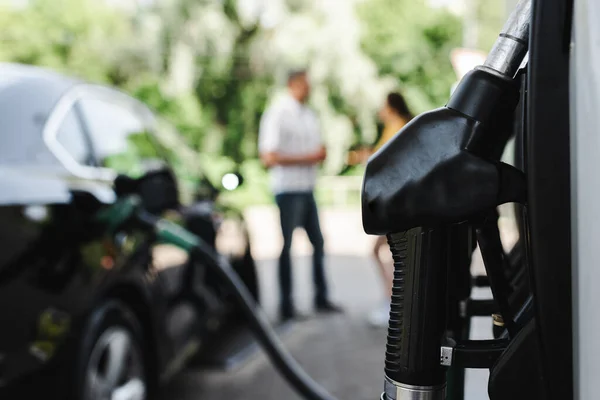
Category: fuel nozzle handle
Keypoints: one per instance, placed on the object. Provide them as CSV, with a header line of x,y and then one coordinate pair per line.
x,y
417,316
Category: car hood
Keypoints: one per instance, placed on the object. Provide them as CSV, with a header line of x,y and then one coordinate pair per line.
x,y
36,185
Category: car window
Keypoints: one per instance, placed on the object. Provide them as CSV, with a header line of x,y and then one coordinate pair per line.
x,y
120,138
71,136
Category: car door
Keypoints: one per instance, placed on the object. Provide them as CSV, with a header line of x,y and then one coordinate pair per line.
x,y
37,260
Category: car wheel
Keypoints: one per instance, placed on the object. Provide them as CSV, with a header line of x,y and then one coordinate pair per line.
x,y
112,359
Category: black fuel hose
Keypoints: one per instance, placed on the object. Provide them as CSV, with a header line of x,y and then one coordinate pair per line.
x,y
281,358
200,251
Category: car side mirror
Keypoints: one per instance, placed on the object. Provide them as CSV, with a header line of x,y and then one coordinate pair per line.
x,y
157,189
232,180
125,185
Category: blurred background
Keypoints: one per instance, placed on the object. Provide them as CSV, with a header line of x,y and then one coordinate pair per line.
x,y
210,67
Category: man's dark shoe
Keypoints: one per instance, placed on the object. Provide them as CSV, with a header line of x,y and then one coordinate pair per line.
x,y
289,315
328,307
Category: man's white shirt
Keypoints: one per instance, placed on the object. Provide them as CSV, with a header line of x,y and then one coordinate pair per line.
x,y
290,128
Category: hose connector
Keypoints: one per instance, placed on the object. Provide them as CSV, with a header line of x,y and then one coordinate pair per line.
x,y
399,391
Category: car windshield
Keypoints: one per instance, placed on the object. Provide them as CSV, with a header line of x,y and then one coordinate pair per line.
x,y
119,134
171,139
185,162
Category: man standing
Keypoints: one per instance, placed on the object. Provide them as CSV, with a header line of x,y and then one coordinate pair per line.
x,y
290,146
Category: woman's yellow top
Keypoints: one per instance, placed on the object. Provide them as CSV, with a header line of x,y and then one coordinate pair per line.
x,y
389,130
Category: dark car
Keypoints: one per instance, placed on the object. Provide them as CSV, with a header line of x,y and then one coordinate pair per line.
x,y
85,312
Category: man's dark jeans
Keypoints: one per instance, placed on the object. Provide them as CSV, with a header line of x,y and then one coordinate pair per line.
x,y
299,209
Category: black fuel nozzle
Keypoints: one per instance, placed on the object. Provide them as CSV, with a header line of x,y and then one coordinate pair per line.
x,y
441,169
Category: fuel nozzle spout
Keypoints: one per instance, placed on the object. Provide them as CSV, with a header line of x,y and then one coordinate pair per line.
x,y
512,44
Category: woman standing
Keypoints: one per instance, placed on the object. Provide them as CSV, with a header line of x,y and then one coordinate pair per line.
x,y
394,115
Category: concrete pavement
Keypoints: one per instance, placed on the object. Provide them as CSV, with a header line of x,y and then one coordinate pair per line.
x,y
341,352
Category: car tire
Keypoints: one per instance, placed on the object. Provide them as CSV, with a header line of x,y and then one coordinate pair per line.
x,y
111,359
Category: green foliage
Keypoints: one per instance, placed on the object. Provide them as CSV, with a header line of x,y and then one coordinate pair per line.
x,y
412,43
243,120
79,42
234,91
183,111
490,16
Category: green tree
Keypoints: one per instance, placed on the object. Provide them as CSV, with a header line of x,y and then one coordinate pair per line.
x,y
411,42
231,91
90,40
235,91
491,16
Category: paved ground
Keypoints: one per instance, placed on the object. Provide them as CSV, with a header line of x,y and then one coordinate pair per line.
x,y
342,352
